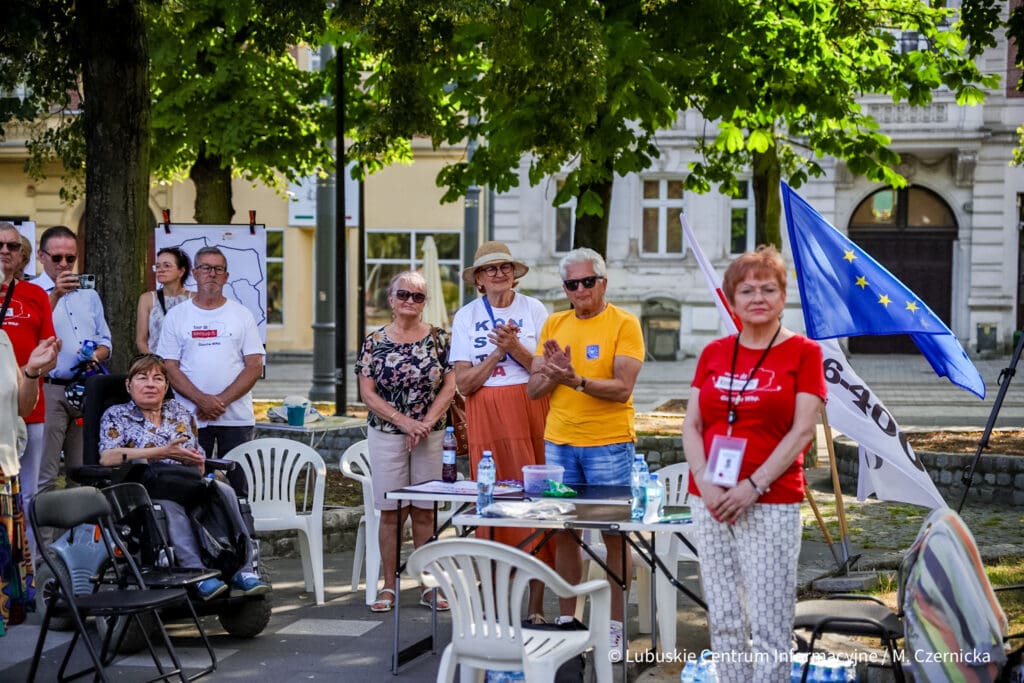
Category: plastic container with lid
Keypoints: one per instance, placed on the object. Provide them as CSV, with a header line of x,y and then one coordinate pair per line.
x,y
535,477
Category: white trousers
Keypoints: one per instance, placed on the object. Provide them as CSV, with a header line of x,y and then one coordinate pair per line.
x,y
748,572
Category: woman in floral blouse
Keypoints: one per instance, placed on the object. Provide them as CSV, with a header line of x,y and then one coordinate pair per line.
x,y
151,429
407,385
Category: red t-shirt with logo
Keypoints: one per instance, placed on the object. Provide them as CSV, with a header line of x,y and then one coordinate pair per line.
x,y
29,320
765,409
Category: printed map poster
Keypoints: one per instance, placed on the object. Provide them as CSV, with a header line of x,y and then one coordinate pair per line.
x,y
245,248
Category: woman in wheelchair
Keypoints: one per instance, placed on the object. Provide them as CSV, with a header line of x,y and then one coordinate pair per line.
x,y
151,429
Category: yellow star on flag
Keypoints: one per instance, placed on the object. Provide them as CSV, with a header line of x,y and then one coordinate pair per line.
x,y
885,300
912,307
848,255
861,282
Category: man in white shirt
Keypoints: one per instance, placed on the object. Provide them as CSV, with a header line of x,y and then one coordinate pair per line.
x,y
214,356
77,318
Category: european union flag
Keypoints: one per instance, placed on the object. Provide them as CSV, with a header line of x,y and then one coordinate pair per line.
x,y
846,293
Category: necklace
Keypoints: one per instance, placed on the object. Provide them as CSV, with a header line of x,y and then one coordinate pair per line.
x,y
732,415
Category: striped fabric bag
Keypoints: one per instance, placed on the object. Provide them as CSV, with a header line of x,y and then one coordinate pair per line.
x,y
954,625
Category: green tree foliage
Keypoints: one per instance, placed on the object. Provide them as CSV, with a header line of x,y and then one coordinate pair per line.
x,y
229,98
87,96
583,87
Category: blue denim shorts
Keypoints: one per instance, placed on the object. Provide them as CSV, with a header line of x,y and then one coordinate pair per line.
x,y
599,465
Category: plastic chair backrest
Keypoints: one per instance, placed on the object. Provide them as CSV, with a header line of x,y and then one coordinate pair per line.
x,y
676,478
485,583
355,464
272,468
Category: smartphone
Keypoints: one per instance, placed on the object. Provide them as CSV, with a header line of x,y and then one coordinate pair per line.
x,y
87,282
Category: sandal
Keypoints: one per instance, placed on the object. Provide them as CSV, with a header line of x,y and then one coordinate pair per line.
x,y
382,604
442,604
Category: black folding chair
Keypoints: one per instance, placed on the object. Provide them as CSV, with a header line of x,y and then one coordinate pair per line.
x,y
126,598
133,511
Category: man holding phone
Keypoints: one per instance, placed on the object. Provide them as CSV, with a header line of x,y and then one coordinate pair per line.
x,y
77,317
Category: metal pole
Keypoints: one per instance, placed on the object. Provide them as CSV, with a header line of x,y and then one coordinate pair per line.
x,y
471,220
340,247
324,378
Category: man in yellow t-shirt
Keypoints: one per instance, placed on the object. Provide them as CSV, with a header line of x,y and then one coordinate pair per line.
x,y
587,360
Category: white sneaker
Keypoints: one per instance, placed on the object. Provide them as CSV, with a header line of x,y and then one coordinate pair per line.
x,y
615,636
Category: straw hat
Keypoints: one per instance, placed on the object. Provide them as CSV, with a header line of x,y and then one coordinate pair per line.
x,y
492,253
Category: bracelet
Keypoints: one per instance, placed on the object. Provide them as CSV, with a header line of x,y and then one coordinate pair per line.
x,y
24,371
757,488
391,417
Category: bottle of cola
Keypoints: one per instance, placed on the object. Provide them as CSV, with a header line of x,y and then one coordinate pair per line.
x,y
449,446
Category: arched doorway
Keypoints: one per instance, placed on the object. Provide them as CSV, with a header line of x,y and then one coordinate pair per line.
x,y
911,232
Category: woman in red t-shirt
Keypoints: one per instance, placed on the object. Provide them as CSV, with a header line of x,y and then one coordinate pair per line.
x,y
752,412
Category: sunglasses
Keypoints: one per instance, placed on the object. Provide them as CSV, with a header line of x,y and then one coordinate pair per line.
x,y
11,246
405,295
70,258
587,282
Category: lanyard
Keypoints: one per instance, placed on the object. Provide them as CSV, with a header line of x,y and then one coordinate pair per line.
x,y
494,323
7,300
732,416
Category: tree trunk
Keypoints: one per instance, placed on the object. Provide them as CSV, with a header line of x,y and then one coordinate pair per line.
x,y
592,231
213,190
115,117
767,204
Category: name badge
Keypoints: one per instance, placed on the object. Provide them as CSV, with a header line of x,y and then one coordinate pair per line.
x,y
724,460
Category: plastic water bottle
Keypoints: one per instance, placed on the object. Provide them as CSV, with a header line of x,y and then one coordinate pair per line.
x,y
485,475
707,671
449,446
87,350
689,673
638,483
655,500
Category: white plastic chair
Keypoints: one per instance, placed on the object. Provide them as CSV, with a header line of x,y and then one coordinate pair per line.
x,y
671,550
486,583
277,470
355,464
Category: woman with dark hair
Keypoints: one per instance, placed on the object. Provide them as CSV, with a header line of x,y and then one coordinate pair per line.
x,y
753,406
152,428
172,268
407,385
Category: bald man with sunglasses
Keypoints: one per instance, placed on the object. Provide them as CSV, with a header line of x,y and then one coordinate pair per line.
x,y
587,361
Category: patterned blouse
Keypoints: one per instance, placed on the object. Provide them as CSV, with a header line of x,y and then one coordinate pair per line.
x,y
124,426
407,375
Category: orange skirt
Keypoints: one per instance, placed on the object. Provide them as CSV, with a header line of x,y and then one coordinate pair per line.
x,y
509,424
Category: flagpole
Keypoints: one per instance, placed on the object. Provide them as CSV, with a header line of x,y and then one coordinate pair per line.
x,y
821,523
840,509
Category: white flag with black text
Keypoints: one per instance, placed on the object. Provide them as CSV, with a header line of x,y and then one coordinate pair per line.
x,y
889,468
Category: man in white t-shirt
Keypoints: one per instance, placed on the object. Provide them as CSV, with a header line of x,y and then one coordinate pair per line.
x,y
214,356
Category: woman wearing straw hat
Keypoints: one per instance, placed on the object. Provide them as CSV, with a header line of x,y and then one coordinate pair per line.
x,y
493,341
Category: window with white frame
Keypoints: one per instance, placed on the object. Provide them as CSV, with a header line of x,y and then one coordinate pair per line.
x,y
662,233
275,276
742,223
565,223
389,252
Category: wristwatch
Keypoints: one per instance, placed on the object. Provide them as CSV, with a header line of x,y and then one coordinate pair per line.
x,y
582,385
